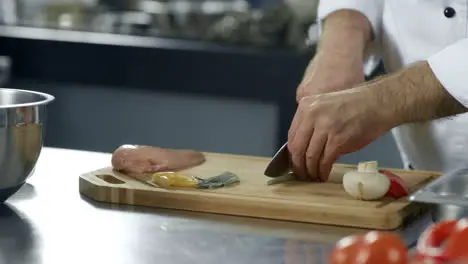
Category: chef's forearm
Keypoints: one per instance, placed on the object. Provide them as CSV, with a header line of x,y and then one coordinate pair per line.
x,y
345,33
415,95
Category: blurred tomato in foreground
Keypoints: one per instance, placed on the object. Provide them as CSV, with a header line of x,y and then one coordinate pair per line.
x,y
424,260
445,241
371,248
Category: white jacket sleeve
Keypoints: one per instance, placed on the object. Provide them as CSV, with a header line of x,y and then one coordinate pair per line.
x,y
450,66
371,9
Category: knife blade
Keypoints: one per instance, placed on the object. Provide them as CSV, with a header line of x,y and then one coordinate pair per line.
x,y
280,165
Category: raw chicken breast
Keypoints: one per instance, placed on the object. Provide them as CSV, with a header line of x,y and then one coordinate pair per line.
x,y
137,159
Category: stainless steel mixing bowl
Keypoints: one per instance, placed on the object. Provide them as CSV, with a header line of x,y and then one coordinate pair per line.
x,y
22,121
448,211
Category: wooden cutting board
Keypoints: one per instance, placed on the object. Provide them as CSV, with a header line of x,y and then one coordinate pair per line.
x,y
323,203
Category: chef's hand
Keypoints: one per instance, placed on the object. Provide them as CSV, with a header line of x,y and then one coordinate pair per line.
x,y
329,125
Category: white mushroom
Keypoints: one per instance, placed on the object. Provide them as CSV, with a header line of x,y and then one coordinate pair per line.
x,y
366,183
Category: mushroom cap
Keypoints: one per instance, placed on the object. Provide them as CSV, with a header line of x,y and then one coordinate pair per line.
x,y
366,185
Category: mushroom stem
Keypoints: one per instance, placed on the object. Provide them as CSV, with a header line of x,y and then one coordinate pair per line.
x,y
368,166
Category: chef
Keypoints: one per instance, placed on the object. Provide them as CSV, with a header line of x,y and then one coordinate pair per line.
x,y
422,100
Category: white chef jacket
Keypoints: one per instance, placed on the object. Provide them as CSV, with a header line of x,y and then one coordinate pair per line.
x,y
407,31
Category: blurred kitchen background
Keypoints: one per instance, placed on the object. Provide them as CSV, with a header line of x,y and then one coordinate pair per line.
x,y
212,75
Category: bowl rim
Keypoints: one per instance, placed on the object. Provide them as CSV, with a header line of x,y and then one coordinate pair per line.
x,y
48,98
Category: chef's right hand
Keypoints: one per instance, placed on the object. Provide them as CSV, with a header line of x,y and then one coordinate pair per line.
x,y
331,71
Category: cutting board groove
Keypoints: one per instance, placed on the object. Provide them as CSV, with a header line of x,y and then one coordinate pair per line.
x,y
322,203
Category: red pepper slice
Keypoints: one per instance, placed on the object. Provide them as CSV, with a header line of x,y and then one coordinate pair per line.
x,y
397,185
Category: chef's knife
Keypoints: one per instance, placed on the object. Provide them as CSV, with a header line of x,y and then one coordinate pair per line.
x,y
280,165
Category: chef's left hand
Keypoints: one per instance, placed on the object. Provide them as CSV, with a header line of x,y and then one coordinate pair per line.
x,y
329,125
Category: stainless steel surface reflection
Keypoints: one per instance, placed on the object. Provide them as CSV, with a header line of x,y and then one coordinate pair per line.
x,y
448,211
56,225
22,120
448,195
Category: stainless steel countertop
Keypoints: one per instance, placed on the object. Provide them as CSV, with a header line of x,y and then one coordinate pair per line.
x,y
48,221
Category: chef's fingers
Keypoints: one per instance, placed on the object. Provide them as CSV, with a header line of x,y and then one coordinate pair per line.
x,y
328,158
314,154
298,148
297,120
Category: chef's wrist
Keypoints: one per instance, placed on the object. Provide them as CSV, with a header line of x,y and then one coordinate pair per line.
x,y
338,60
345,33
343,44
349,23
341,54
329,73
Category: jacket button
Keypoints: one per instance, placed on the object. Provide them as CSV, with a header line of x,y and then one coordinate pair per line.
x,y
449,12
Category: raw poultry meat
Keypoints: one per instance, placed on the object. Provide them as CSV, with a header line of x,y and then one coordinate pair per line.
x,y
139,159
159,166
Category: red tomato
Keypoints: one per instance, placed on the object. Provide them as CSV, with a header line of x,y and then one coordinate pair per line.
x,y
371,248
420,259
428,260
430,241
446,240
346,249
456,246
